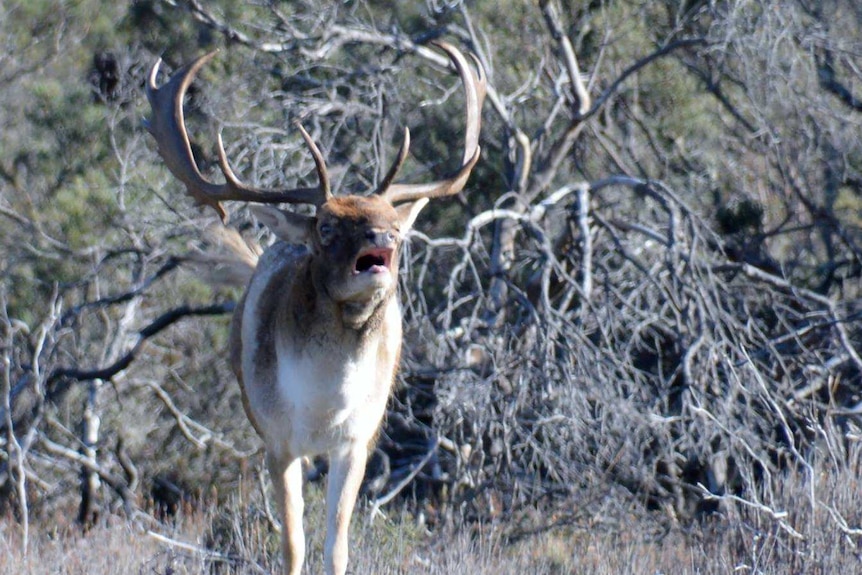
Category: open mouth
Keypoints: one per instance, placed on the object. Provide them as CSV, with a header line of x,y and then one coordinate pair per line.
x,y
373,261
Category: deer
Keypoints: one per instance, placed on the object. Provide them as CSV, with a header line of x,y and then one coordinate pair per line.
x,y
315,340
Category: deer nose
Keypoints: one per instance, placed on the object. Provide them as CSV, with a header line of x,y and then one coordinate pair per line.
x,y
380,238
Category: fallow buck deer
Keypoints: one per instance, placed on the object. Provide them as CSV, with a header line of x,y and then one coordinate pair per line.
x,y
316,338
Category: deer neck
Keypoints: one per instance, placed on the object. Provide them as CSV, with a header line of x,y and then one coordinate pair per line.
x,y
343,332
359,318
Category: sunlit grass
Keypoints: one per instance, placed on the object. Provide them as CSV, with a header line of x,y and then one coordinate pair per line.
x,y
237,537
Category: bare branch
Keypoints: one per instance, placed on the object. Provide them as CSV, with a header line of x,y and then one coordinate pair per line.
x,y
60,378
14,453
580,94
116,483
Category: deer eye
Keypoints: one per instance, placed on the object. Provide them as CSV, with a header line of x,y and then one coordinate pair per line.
x,y
326,232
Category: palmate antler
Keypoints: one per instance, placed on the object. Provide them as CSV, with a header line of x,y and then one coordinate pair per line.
x,y
167,126
474,83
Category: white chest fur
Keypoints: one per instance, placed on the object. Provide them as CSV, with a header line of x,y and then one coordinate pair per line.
x,y
328,397
312,395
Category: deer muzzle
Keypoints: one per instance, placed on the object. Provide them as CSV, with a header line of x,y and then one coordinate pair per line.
x,y
373,261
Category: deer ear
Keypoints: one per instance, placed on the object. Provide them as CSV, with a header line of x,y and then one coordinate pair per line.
x,y
407,213
288,226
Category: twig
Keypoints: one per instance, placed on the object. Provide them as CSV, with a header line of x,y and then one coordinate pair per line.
x,y
841,522
579,90
14,452
65,374
586,242
267,511
186,423
204,553
116,483
779,516
384,499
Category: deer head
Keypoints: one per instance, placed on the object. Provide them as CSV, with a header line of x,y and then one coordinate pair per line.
x,y
354,242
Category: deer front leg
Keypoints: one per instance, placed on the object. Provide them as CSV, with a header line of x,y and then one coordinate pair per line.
x,y
346,469
286,477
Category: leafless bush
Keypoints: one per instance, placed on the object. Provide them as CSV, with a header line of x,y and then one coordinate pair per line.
x,y
665,369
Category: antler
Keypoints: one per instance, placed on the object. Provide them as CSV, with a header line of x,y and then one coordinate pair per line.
x,y
167,126
475,83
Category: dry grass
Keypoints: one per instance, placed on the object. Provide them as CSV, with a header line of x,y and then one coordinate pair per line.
x,y
126,549
236,538
61,549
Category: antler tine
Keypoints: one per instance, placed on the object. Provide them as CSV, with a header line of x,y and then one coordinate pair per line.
x,y
167,125
383,187
475,87
320,164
